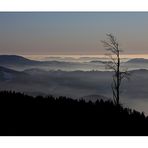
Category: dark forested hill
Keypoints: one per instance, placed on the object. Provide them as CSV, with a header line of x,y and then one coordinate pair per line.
x,y
26,115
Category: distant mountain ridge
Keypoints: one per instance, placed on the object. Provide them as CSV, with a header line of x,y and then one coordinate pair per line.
x,y
20,63
138,60
14,59
20,60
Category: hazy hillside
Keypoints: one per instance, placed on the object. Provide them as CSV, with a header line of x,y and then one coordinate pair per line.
x,y
138,60
72,84
11,75
20,63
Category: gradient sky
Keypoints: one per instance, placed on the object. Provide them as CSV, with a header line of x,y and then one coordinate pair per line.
x,y
71,33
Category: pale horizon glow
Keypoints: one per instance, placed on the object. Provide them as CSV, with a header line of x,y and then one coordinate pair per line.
x,y
42,57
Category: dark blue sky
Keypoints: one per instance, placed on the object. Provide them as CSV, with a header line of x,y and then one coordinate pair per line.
x,y
71,33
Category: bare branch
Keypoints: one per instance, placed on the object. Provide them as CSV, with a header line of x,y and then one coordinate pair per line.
x,y
112,45
113,60
125,75
111,66
113,40
109,47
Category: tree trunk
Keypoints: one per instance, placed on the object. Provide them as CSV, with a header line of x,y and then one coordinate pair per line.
x,y
118,78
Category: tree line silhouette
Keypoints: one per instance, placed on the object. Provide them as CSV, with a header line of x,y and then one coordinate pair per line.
x,y
24,115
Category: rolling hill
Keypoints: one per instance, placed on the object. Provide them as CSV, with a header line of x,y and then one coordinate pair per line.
x,y
137,60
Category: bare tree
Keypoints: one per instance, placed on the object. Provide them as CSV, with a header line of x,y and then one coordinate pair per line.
x,y
112,45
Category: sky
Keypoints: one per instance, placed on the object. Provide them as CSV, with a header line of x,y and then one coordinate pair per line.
x,y
71,33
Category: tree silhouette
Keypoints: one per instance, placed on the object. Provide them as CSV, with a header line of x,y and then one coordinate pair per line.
x,y
112,45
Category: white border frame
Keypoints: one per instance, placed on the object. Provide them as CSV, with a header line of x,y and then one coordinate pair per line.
x,y
73,5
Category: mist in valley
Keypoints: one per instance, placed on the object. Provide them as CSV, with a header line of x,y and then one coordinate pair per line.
x,y
85,79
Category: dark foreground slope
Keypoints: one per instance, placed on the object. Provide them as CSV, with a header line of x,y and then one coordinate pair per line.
x,y
26,115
